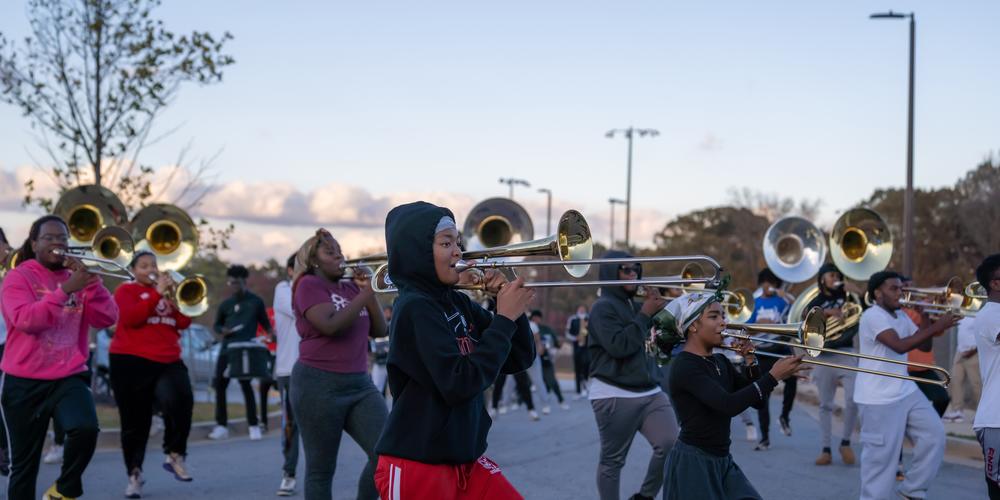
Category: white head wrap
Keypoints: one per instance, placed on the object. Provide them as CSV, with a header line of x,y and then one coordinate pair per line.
x,y
684,310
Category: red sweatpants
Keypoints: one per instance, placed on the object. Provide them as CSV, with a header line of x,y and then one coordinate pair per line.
x,y
401,479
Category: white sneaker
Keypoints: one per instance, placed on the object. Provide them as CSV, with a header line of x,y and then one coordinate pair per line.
x,y
157,426
751,433
503,410
546,410
54,455
134,487
564,406
174,464
533,414
492,412
255,433
953,416
219,432
287,487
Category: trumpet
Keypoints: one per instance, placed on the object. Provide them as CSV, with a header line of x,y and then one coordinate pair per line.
x,y
110,252
189,294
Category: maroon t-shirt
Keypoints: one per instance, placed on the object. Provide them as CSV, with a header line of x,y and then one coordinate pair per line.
x,y
346,352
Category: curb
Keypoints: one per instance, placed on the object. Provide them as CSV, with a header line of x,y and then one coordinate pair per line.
x,y
109,439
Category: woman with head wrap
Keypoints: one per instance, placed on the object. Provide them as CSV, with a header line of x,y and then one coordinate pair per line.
x,y
708,391
331,390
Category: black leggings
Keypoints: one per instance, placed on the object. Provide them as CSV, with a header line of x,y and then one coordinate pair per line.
x,y
937,395
551,384
138,383
28,405
522,382
788,398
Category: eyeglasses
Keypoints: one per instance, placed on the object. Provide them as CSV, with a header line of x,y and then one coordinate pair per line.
x,y
629,269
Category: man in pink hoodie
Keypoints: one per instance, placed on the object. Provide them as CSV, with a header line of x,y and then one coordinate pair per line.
x,y
49,302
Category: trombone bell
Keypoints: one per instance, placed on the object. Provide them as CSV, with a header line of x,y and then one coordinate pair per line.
x,y
572,242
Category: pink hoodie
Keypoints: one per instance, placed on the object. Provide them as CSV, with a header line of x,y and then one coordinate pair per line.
x,y
47,329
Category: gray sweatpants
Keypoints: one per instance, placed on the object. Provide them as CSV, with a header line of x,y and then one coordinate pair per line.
x,y
826,379
618,419
989,438
327,404
882,430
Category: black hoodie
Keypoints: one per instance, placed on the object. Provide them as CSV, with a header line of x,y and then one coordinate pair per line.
x,y
445,350
617,337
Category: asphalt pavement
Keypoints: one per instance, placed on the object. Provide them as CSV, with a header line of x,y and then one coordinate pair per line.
x,y
554,458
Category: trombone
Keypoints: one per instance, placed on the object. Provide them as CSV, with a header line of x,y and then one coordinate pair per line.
x,y
366,265
110,251
810,334
190,294
952,298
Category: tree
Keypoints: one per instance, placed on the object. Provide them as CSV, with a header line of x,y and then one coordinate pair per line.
x,y
731,235
771,206
92,79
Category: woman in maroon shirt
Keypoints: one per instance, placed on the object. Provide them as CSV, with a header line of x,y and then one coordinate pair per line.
x,y
146,366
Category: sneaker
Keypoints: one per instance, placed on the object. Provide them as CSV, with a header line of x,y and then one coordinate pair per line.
x,y
786,426
953,416
287,487
134,488
219,432
174,464
533,414
824,458
546,410
53,494
564,406
54,455
492,412
847,455
157,426
254,432
751,433
763,445
503,409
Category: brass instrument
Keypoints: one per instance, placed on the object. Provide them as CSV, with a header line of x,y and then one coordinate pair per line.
x,y
496,222
809,334
794,249
572,242
835,327
860,243
88,209
975,291
936,301
190,294
168,232
110,252
366,265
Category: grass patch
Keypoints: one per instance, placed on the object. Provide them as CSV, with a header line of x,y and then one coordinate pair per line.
x,y
203,412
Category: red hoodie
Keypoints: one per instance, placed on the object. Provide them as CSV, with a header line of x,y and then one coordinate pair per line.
x,y
148,325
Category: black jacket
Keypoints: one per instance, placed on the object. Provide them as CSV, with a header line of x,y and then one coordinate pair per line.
x,y
444,351
617,335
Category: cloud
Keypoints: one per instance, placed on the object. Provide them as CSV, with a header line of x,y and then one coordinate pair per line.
x,y
273,218
710,143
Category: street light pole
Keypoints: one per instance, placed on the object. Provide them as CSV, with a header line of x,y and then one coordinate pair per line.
x,y
629,133
510,182
548,210
908,195
613,202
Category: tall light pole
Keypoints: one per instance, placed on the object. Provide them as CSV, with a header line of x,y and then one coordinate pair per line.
x,y
613,202
511,182
629,133
908,196
548,210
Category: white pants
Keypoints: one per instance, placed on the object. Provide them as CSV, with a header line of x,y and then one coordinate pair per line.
x,y
882,430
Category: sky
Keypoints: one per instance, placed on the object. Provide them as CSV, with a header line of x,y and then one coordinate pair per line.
x,y
336,111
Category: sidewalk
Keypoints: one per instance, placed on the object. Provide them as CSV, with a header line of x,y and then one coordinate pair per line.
x,y
961,446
